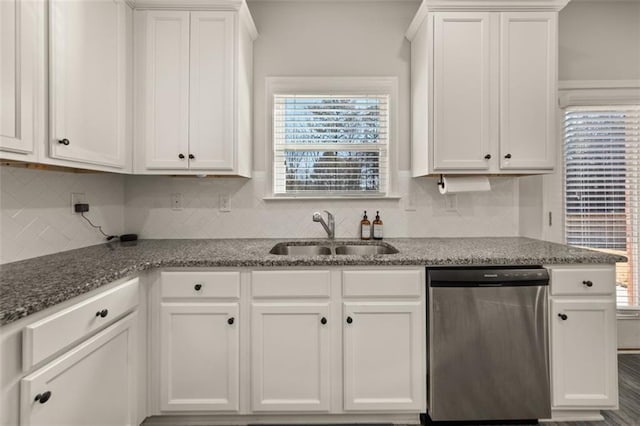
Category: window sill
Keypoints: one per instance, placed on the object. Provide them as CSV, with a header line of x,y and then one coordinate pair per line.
x,y
332,197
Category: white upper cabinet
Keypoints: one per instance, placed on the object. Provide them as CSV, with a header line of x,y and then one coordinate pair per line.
x,y
193,82
88,82
528,70
166,123
483,88
211,91
21,74
462,90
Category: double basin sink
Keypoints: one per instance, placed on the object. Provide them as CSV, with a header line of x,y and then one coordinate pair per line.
x,y
311,248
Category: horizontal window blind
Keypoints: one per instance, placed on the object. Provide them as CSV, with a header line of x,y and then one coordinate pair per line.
x,y
602,182
330,144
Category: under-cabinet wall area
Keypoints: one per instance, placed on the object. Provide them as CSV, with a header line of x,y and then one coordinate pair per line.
x,y
35,211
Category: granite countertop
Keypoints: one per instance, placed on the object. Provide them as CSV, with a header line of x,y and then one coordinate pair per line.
x,y
32,285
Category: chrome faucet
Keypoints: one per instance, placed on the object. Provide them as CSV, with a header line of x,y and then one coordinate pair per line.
x,y
331,227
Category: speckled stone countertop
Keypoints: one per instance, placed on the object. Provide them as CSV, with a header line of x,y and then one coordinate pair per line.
x,y
32,285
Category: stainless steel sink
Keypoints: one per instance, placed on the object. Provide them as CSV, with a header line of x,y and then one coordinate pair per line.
x,y
326,249
365,249
300,250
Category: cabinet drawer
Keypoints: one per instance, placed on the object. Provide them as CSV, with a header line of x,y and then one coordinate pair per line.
x,y
290,284
385,283
47,336
582,281
219,284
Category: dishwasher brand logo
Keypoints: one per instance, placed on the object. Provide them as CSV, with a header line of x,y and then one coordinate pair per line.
x,y
491,275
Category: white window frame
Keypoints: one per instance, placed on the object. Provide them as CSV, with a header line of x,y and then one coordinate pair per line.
x,y
334,86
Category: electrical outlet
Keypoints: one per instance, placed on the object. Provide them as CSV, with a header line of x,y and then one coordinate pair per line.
x,y
176,201
77,198
224,203
451,202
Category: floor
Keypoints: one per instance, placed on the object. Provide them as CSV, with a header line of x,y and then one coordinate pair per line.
x,y
629,412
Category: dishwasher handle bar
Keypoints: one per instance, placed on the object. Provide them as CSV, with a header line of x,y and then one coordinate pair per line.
x,y
499,277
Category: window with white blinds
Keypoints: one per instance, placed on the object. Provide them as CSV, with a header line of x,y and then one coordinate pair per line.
x,y
330,144
602,187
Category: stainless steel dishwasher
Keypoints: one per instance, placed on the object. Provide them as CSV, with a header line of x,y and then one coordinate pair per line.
x,y
488,355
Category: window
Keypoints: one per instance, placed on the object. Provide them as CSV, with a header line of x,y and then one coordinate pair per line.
x,y
602,187
331,136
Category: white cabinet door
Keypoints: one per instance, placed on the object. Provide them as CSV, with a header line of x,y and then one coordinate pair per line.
x,y
290,356
166,82
211,138
583,353
87,81
199,356
462,90
382,356
93,384
527,90
19,78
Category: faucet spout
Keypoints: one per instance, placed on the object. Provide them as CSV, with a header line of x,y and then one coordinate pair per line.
x,y
329,227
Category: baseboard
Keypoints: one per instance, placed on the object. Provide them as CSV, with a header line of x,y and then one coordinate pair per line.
x,y
290,419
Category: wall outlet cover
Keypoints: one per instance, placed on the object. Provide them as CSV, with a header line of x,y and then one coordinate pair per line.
x,y
77,198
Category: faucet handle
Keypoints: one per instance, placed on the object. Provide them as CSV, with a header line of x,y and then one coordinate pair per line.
x,y
317,217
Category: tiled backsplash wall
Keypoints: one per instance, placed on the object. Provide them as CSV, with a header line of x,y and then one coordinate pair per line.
x,y
36,217
419,212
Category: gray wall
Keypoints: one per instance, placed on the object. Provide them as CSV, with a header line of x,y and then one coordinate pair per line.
x,y
600,40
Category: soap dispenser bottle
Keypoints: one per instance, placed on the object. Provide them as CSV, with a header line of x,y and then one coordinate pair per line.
x,y
377,227
365,227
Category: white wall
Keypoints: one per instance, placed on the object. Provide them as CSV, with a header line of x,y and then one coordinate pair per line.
x,y
35,211
600,40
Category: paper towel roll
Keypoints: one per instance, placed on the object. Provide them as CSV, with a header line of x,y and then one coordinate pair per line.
x,y
454,185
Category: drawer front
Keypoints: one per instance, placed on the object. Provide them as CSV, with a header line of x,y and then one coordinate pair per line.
x,y
290,284
47,336
213,284
382,283
582,281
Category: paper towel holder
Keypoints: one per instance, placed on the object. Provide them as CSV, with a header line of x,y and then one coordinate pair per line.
x,y
441,181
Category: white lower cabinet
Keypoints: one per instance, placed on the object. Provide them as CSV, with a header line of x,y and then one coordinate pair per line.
x,y
583,353
583,348
92,384
198,341
290,354
383,360
199,356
